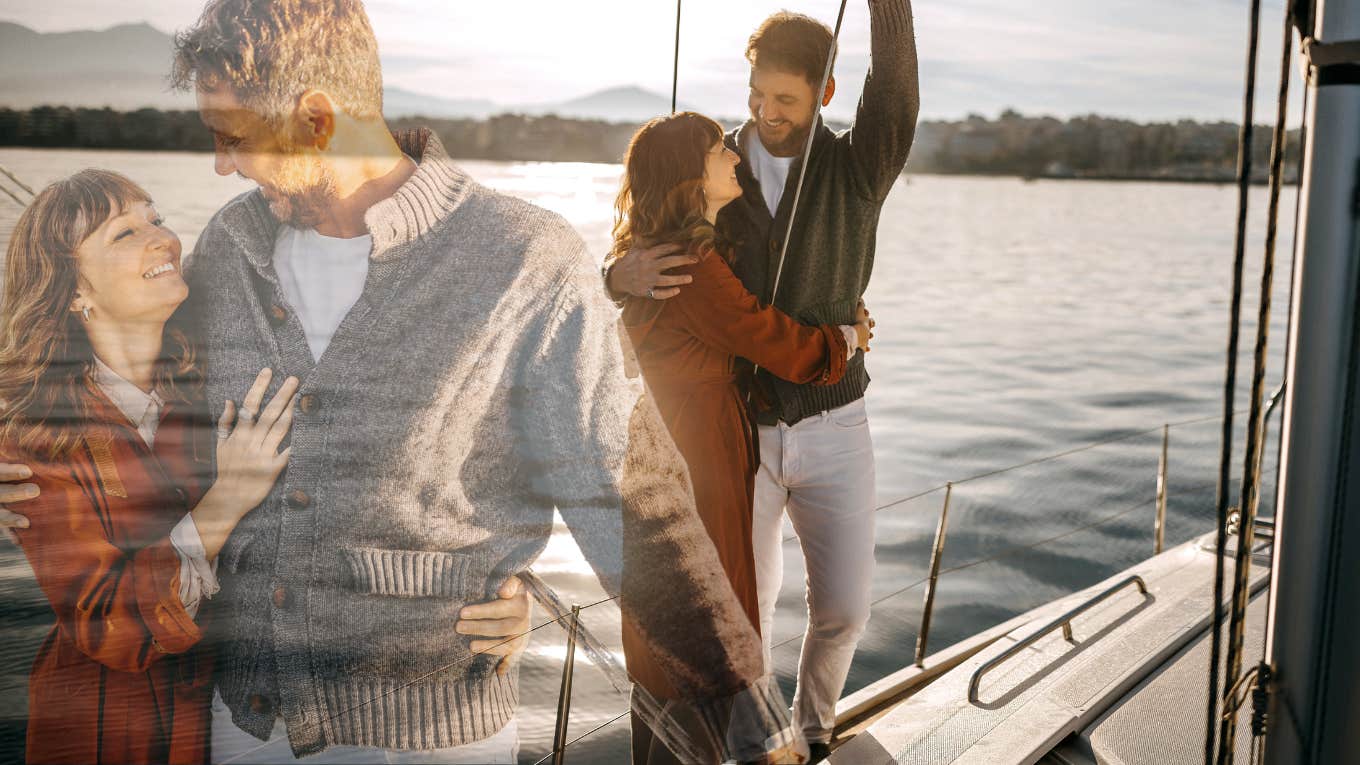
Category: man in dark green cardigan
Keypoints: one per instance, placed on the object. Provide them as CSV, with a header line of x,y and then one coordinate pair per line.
x,y
816,451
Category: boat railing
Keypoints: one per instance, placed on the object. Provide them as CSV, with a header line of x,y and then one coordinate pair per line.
x,y
1064,621
1158,504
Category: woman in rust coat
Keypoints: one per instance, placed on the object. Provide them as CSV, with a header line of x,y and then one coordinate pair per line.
x,y
99,396
678,175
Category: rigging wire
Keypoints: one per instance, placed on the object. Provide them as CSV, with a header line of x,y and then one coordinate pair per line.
x,y
1230,379
675,66
1250,496
807,147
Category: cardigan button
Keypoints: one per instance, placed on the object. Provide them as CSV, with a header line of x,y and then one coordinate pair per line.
x,y
280,597
278,314
298,499
260,704
309,403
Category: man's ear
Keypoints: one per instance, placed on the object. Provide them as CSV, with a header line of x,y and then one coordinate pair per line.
x,y
830,90
316,119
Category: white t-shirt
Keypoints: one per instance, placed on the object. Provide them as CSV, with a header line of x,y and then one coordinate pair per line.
x,y
772,172
322,277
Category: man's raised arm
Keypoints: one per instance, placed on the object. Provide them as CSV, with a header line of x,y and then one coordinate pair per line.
x,y
885,120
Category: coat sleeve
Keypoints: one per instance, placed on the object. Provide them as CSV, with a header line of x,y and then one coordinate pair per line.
x,y
120,607
723,314
885,120
598,450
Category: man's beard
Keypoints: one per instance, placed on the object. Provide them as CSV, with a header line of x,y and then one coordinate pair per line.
x,y
302,190
789,147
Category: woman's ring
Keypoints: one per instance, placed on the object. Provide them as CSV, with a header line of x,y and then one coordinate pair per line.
x,y
650,295
223,434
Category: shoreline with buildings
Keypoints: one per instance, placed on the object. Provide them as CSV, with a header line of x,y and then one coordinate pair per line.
x,y
1011,145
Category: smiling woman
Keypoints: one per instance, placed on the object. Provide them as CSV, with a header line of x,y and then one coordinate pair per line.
x,y
80,266
101,399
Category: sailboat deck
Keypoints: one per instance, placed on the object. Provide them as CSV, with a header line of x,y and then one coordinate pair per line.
x,y
1134,662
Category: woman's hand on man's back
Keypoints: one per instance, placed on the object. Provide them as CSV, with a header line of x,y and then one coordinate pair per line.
x,y
13,489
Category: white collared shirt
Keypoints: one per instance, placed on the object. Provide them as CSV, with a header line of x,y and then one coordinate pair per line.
x,y
197,577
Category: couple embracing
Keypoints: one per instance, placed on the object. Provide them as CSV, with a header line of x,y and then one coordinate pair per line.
x,y
711,293
284,493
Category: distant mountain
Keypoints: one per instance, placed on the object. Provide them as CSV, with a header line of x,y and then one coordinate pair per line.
x,y
622,104
405,103
126,68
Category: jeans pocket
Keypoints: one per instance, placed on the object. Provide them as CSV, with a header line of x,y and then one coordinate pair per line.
x,y
850,416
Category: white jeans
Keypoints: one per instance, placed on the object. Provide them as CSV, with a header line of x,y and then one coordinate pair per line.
x,y
822,471
231,745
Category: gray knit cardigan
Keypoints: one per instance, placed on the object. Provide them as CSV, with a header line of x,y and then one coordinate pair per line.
x,y
475,385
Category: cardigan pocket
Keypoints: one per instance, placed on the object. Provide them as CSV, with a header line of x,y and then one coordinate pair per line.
x,y
406,573
400,612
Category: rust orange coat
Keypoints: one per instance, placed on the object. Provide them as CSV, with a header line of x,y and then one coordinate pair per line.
x,y
120,678
688,348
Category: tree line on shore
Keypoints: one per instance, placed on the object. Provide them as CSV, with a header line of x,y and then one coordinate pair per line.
x,y
1012,144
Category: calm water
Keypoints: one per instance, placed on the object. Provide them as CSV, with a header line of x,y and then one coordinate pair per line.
x,y
1015,320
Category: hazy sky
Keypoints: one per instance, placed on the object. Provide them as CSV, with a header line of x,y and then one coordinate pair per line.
x,y
1145,59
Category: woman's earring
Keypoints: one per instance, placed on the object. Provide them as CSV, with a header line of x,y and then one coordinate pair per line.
x,y
85,312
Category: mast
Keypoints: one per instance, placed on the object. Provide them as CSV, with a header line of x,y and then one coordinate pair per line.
x,y
1315,587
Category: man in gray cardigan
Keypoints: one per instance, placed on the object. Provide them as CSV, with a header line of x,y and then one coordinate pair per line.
x,y
815,449
460,379
474,385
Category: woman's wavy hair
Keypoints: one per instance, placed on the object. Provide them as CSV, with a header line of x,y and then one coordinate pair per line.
x,y
46,361
662,196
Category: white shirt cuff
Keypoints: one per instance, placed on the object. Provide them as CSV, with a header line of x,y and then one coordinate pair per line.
x,y
851,340
197,577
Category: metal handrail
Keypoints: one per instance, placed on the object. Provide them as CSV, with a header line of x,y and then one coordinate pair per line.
x,y
1064,621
